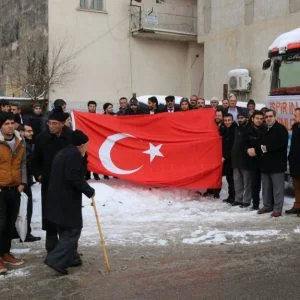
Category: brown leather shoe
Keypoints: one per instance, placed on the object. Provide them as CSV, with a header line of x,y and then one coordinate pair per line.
x,y
276,214
2,267
8,258
263,210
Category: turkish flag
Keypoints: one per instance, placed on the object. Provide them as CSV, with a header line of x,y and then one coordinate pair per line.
x,y
181,149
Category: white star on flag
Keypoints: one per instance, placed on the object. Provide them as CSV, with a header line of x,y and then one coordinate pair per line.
x,y
154,151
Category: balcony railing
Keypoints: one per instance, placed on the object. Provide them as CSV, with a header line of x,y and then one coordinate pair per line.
x,y
152,20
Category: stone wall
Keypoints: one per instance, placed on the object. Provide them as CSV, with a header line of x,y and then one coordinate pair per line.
x,y
22,22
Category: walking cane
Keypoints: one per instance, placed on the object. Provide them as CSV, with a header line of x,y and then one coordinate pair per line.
x,y
106,259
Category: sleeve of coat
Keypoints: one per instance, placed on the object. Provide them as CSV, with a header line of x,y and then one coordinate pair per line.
x,y
73,174
23,166
37,158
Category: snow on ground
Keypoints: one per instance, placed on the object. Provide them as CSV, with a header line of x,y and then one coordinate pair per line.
x,y
297,230
16,273
136,215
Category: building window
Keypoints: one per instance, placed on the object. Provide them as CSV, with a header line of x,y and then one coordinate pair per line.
x,y
294,5
84,4
92,4
97,4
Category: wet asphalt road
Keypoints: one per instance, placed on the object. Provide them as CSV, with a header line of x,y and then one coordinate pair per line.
x,y
260,271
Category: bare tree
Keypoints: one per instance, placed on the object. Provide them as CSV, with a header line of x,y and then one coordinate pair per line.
x,y
36,69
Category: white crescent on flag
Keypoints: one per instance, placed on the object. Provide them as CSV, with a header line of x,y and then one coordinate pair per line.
x,y
105,154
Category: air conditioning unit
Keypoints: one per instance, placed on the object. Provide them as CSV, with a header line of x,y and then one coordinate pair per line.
x,y
239,80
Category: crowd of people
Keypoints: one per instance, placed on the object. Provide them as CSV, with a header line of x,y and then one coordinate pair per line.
x,y
255,157
43,148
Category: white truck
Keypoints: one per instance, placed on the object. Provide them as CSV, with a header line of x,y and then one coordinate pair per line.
x,y
284,60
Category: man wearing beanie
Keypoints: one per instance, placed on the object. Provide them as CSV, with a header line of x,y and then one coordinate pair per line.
x,y
57,104
134,107
48,143
64,202
12,182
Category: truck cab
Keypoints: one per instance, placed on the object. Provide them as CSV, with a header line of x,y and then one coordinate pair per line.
x,y
284,61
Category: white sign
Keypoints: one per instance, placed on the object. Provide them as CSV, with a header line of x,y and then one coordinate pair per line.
x,y
285,107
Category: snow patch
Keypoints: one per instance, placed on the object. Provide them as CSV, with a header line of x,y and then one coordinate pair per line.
x,y
20,251
131,214
286,38
229,237
297,230
16,273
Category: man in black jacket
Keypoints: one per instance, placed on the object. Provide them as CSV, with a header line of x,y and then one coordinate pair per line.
x,y
48,143
28,134
134,108
64,202
170,105
92,109
273,164
227,133
123,106
294,162
219,123
36,120
58,103
241,176
254,131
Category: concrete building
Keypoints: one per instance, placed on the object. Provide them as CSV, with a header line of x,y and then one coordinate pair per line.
x,y
124,47
237,34
180,47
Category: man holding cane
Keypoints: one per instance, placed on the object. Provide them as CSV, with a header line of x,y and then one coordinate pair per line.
x,y
64,202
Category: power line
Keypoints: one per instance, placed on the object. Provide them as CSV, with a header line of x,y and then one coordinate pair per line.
x,y
98,37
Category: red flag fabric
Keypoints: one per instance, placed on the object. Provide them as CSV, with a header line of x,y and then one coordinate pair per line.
x,y
181,149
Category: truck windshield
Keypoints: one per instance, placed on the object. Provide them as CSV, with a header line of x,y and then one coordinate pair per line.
x,y
285,75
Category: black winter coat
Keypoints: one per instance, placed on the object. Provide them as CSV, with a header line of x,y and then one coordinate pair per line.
x,y
176,108
253,137
227,143
156,111
239,110
238,155
227,140
139,111
37,125
276,141
66,185
29,162
47,145
294,154
122,112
